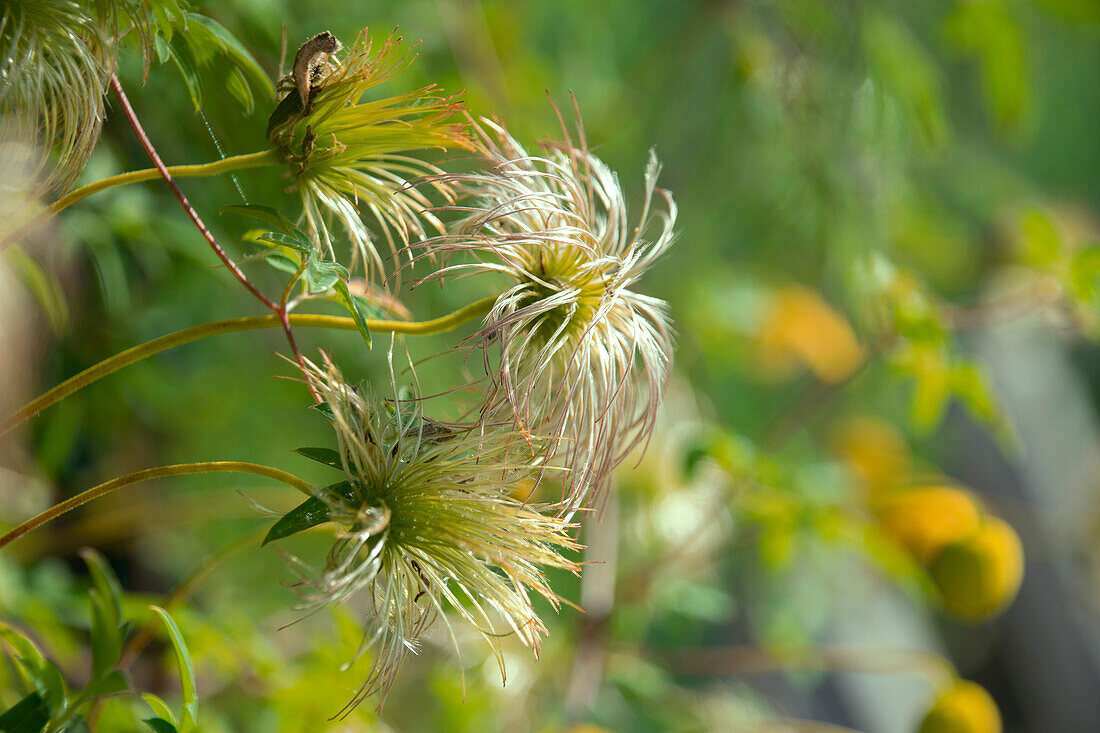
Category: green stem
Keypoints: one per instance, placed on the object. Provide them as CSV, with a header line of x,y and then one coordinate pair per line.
x,y
225,165
132,478
149,348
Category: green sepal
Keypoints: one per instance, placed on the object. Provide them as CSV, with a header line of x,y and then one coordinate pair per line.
x,y
311,512
29,715
327,456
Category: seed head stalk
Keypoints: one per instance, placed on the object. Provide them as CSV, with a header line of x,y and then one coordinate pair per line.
x,y
132,478
135,354
279,310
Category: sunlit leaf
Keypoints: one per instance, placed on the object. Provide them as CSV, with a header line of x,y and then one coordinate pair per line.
x,y
186,671
160,708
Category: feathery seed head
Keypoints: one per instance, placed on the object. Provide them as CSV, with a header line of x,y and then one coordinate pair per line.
x,y
427,524
581,356
52,78
344,152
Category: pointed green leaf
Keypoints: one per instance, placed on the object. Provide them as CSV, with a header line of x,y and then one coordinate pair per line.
x,y
186,669
160,708
357,307
267,214
77,725
327,456
29,715
238,87
190,77
112,683
322,275
295,242
159,725
236,52
51,683
105,581
324,409
311,512
106,635
281,262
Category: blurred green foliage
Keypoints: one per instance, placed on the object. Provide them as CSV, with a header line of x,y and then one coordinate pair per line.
x,y
927,168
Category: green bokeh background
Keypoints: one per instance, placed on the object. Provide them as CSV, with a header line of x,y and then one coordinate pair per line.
x,y
797,136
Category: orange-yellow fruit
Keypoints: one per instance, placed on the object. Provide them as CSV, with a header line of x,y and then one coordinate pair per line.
x,y
802,328
873,449
981,574
926,520
965,707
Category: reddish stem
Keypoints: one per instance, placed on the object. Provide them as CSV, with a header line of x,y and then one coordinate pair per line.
x,y
279,310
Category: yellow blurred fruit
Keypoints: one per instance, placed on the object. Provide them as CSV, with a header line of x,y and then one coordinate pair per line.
x,y
800,327
981,574
963,708
874,450
925,520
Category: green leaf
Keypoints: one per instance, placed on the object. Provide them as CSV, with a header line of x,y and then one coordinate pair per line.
x,y
299,242
267,214
160,725
189,74
105,581
107,624
358,307
281,262
208,46
993,36
186,670
25,649
1042,242
43,285
239,89
29,715
160,708
77,725
327,456
1084,273
112,683
908,74
324,408
322,275
51,683
311,512
106,635
236,51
